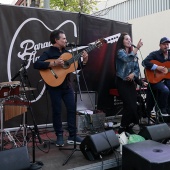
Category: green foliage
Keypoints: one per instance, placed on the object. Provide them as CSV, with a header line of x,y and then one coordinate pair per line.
x,y
83,6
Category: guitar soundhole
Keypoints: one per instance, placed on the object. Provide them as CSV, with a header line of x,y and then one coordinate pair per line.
x,y
66,64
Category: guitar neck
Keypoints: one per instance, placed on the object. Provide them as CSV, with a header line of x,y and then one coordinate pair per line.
x,y
77,56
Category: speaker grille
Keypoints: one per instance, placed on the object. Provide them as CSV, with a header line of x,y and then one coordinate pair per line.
x,y
156,132
92,146
14,159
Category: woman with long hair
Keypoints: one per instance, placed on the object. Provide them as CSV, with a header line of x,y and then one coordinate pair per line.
x,y
127,73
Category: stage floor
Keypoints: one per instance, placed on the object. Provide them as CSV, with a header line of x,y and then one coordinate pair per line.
x,y
53,158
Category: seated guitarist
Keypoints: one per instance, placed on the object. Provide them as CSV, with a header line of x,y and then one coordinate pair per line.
x,y
156,67
53,58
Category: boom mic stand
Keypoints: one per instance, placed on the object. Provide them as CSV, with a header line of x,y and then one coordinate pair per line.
x,y
35,132
143,101
74,149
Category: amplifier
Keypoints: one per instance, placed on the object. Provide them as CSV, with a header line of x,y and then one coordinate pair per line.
x,y
91,121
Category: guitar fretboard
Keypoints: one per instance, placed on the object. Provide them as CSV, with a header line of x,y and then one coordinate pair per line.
x,y
77,56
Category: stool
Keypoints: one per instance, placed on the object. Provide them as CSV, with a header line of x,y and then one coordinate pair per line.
x,y
117,102
114,92
148,155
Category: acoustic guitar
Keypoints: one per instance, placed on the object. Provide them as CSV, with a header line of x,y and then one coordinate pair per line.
x,y
155,76
54,76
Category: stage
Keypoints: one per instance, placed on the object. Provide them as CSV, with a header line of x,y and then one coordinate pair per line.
x,y
55,159
50,155
52,158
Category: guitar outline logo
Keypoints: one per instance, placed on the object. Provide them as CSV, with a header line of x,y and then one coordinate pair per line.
x,y
110,39
33,53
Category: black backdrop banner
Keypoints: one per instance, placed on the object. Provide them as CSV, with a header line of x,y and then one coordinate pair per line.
x,y
99,72
25,35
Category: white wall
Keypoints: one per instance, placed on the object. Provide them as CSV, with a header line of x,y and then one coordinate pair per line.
x,y
151,29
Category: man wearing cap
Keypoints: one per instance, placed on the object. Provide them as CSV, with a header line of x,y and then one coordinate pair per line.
x,y
162,88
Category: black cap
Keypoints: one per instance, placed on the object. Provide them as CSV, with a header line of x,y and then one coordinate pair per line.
x,y
164,40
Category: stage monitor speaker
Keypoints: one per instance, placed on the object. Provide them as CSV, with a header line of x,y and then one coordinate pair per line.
x,y
157,132
14,159
99,144
148,154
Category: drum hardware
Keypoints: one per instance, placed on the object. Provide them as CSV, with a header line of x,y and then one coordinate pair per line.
x,y
24,129
23,97
11,105
10,137
21,89
2,126
7,89
24,81
3,131
14,108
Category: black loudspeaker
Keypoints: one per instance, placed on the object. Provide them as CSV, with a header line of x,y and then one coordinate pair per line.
x,y
157,132
99,144
14,159
148,154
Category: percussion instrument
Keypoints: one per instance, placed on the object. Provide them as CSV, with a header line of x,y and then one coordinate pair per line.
x,y
12,104
13,108
9,89
17,105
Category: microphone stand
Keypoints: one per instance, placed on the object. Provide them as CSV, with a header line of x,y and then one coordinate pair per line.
x,y
143,99
20,70
74,149
34,131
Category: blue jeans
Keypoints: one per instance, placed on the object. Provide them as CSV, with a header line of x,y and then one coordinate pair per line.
x,y
57,94
163,89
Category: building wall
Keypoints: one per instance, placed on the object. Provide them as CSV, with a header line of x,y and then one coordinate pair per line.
x,y
151,29
132,9
149,19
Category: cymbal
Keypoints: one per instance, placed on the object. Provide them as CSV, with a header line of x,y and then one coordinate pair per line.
x,y
27,88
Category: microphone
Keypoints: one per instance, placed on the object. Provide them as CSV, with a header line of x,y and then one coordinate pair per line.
x,y
70,44
133,45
